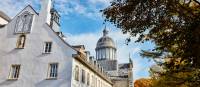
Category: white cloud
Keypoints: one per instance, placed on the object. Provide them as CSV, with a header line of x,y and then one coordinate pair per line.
x,y
104,2
87,8
65,7
90,40
11,7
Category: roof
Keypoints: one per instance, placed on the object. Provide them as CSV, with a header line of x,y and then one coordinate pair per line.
x,y
79,46
4,16
105,41
1,26
124,66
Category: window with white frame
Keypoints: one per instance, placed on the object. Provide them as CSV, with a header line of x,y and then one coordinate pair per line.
x,y
88,78
83,76
76,73
53,70
48,47
92,81
95,82
14,73
21,41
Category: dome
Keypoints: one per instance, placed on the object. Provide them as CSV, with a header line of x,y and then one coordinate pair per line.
x,y
105,41
105,48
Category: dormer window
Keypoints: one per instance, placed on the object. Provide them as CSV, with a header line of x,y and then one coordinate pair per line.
x,y
21,41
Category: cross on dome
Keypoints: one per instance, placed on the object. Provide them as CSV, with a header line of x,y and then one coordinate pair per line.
x,y
105,32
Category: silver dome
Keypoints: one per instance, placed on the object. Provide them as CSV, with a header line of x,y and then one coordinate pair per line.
x,y
105,41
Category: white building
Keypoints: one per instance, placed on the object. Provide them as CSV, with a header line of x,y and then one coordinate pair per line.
x,y
33,53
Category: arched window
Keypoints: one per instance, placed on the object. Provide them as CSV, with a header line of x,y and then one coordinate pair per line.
x,y
83,76
88,79
21,41
76,73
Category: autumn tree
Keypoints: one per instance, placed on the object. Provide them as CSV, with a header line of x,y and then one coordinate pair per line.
x,y
173,25
143,82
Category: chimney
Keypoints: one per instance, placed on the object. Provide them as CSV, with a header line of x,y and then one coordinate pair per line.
x,y
91,59
87,55
45,14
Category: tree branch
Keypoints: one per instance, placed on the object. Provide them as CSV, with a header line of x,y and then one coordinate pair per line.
x,y
197,2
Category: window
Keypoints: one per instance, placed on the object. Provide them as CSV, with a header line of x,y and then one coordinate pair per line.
x,y
21,41
48,46
14,74
98,83
83,76
92,81
95,82
88,79
77,73
53,70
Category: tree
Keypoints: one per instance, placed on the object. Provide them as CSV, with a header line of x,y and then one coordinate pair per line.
x,y
144,82
175,76
173,25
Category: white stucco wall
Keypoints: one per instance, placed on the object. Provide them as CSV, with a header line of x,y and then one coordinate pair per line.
x,y
121,83
99,81
34,64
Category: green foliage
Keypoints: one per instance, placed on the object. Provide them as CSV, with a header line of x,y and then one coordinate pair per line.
x,y
150,54
174,27
179,79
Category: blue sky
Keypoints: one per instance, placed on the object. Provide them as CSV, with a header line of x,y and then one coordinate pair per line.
x,y
82,23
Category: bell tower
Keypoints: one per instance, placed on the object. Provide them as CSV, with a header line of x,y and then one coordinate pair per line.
x,y
55,20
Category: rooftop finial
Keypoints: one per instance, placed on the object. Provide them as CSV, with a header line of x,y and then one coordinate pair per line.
x,y
105,32
53,4
130,60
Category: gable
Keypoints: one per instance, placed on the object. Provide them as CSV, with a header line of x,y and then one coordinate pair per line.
x,y
20,23
27,9
23,23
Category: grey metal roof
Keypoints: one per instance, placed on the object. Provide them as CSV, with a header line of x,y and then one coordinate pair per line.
x,y
105,41
123,66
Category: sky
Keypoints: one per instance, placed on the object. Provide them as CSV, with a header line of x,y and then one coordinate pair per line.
x,y
82,23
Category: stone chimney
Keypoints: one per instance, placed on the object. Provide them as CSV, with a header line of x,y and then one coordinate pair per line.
x,y
45,14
